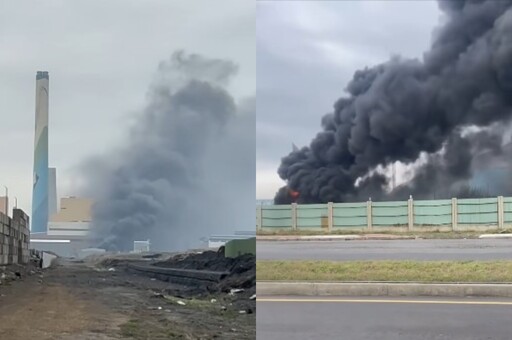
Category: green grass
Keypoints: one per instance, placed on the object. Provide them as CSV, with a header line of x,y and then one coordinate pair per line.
x,y
395,271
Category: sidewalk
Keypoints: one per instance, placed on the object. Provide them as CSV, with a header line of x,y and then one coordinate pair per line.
x,y
351,237
495,236
333,237
280,288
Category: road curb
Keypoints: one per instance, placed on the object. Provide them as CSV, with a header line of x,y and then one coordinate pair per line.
x,y
309,238
332,237
269,288
495,236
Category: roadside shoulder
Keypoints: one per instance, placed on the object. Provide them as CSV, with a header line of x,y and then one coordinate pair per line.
x,y
302,288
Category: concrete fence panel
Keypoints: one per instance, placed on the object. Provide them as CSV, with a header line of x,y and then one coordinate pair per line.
x,y
276,216
432,213
350,215
454,214
507,210
312,216
477,211
389,214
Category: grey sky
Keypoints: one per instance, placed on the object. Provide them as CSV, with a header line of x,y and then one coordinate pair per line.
x,y
101,56
306,54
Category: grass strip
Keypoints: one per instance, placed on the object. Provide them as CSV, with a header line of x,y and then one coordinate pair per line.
x,y
393,271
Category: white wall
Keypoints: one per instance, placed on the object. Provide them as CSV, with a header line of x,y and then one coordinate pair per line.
x,y
68,228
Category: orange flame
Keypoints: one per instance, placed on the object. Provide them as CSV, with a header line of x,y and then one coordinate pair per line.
x,y
293,194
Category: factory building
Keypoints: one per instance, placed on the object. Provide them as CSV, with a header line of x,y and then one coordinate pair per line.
x,y
40,188
65,229
73,218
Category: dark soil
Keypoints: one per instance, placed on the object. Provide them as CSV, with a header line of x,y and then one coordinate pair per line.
x,y
96,302
241,277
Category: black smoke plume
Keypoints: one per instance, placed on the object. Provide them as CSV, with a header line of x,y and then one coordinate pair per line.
x,y
448,108
187,167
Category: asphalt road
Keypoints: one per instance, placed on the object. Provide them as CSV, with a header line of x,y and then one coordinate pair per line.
x,y
470,249
384,319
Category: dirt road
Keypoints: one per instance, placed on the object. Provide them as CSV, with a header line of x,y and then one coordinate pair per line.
x,y
76,301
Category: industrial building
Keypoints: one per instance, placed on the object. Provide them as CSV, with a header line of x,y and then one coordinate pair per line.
x,y
4,205
65,228
216,241
41,184
265,202
73,218
62,229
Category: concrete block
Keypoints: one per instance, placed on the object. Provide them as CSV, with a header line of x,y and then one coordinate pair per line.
x,y
4,219
15,225
19,214
48,259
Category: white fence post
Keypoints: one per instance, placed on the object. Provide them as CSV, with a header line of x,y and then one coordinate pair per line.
x,y
410,213
294,216
501,212
259,217
454,214
369,214
330,212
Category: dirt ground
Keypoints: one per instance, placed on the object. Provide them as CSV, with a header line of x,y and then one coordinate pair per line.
x,y
78,301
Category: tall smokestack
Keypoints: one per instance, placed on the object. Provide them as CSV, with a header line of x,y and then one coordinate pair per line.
x,y
40,188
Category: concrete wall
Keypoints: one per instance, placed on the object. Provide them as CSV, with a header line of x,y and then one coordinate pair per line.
x,y
71,248
14,238
70,229
427,215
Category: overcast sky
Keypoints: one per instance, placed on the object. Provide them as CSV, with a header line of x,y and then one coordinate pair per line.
x,y
306,54
101,56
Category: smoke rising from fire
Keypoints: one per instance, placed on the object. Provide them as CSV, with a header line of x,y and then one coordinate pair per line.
x,y
451,107
190,152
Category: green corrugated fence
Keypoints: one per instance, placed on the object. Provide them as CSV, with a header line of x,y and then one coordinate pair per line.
x,y
433,212
454,214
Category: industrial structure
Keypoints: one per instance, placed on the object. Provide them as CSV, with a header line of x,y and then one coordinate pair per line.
x,y
41,184
265,202
216,241
4,205
63,229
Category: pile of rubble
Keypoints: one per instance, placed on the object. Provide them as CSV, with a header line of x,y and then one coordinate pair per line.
x,y
238,287
14,272
241,269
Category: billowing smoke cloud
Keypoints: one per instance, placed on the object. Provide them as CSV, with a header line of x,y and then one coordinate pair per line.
x,y
448,108
187,168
